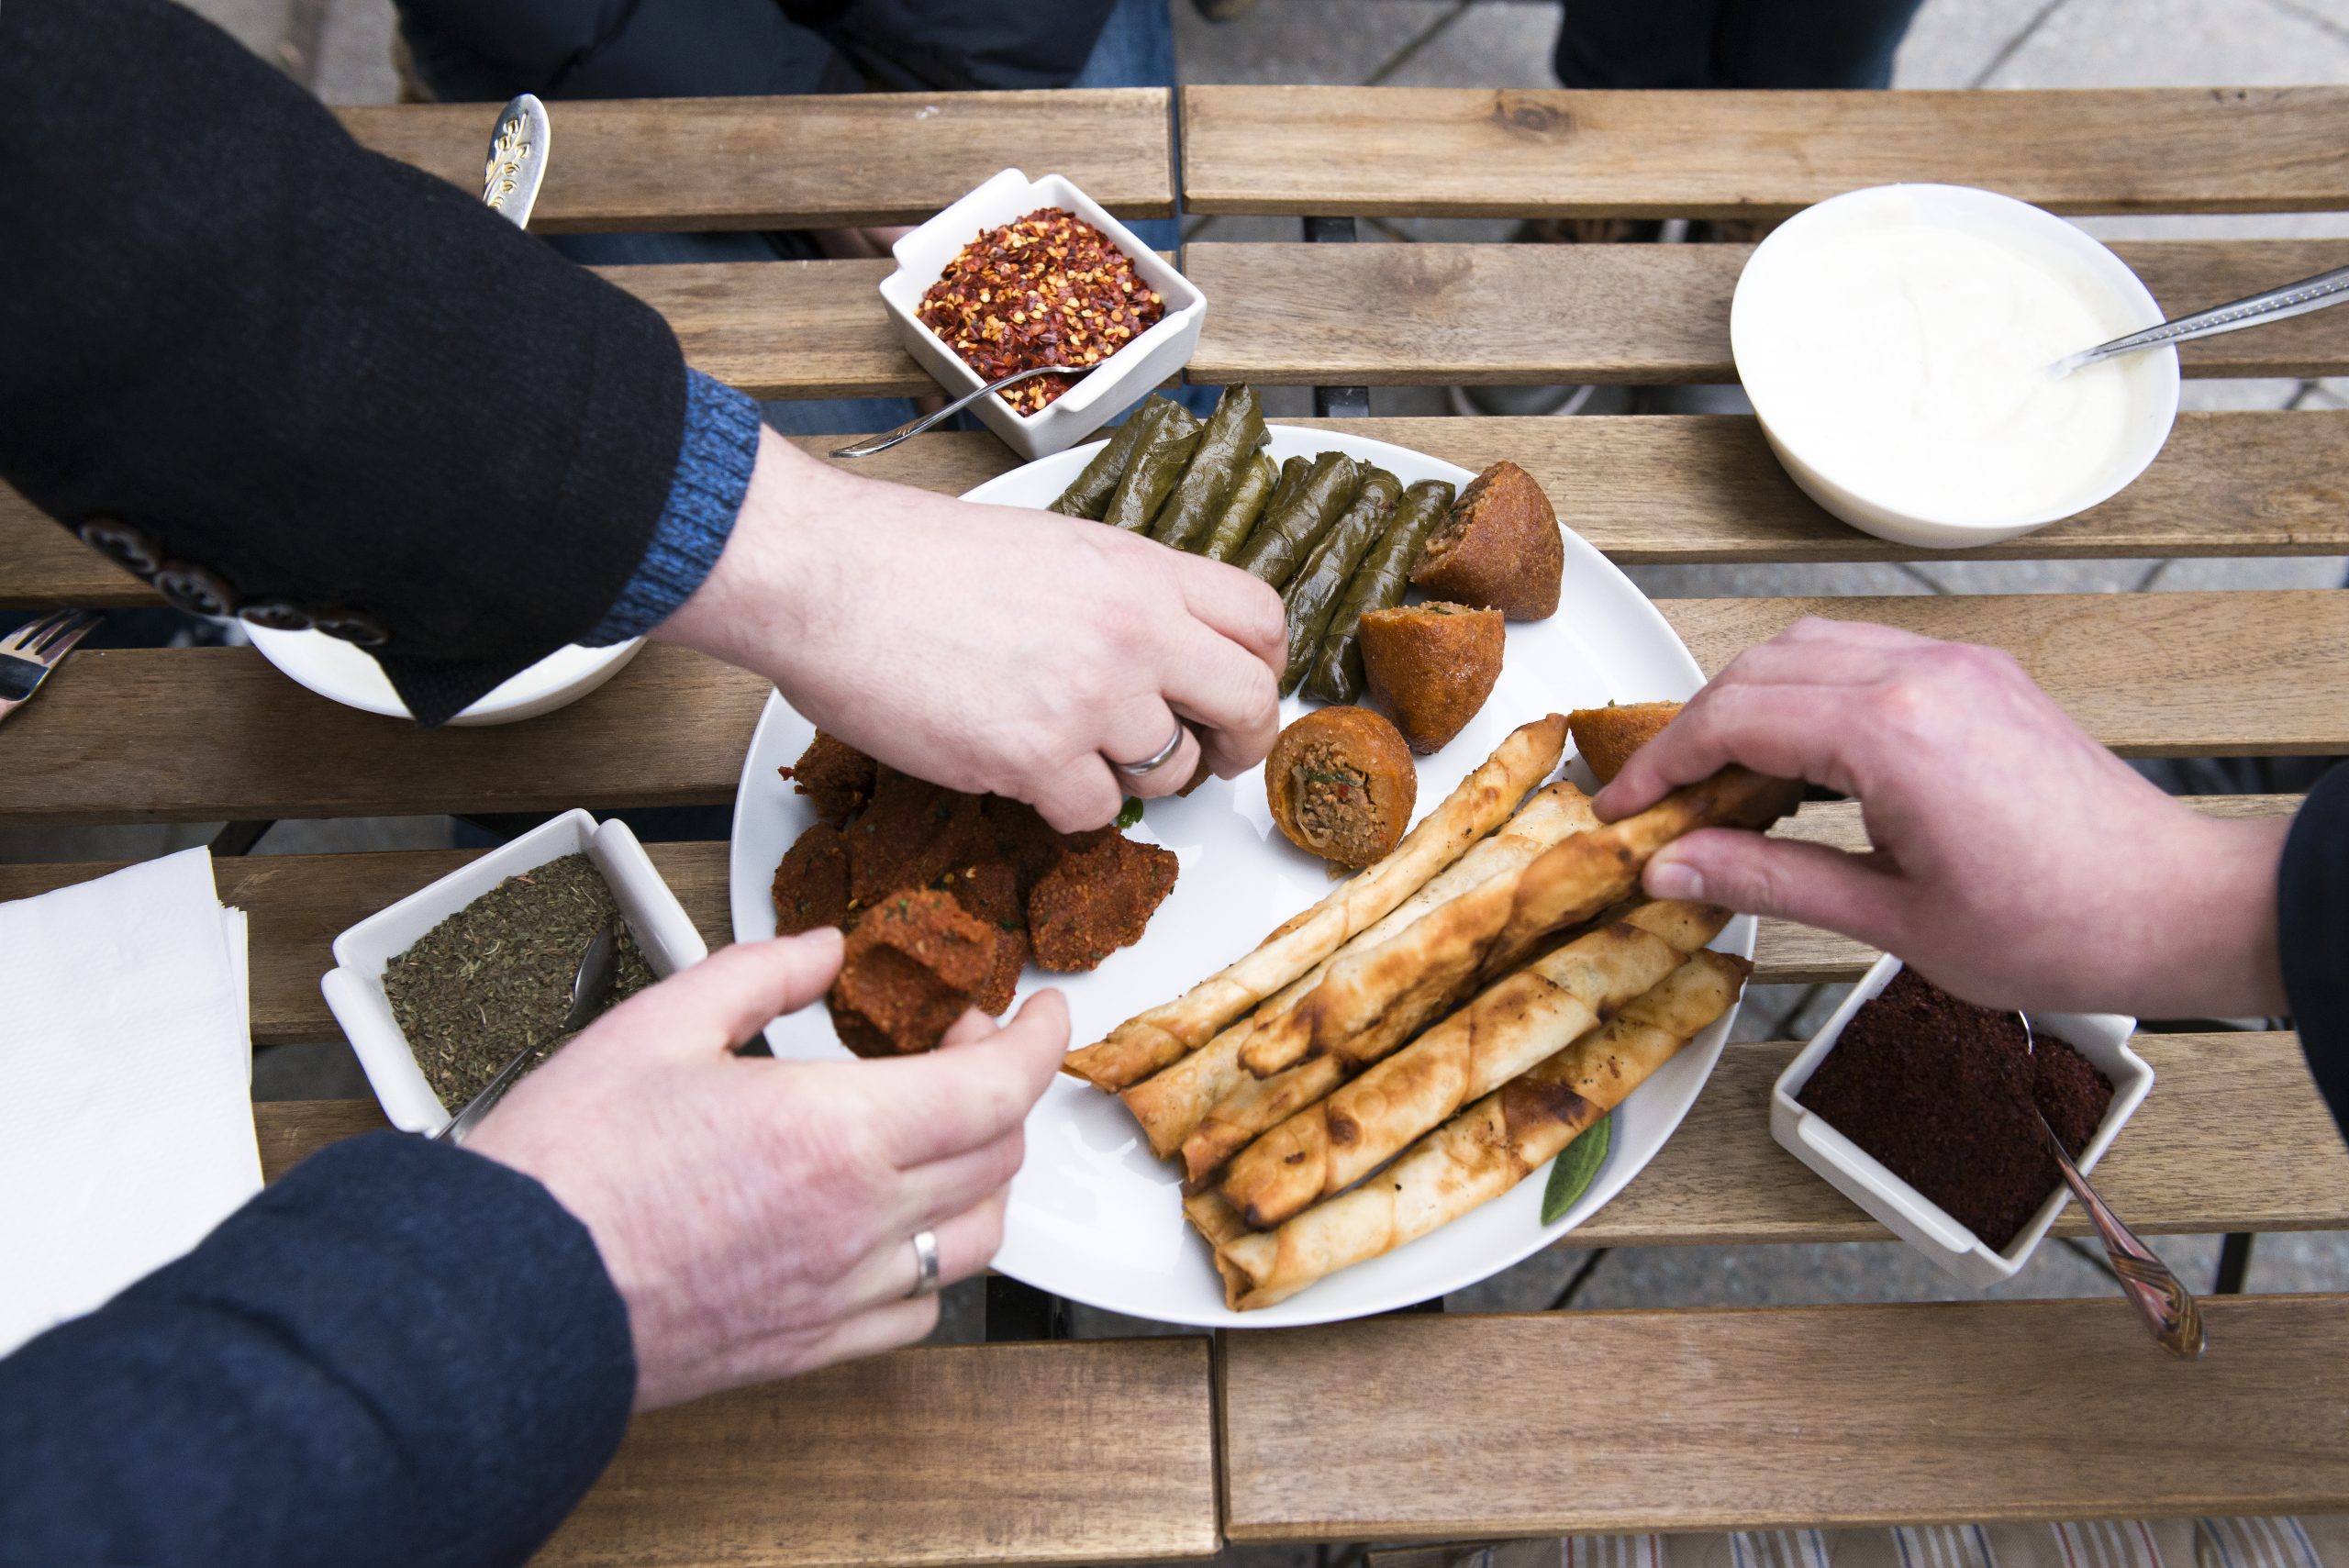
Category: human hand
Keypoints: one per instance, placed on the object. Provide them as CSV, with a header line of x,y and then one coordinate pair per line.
x,y
2014,861
755,1215
990,648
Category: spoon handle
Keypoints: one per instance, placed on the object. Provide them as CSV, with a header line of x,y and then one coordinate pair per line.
x,y
517,164
888,439
2167,1307
478,1107
2318,292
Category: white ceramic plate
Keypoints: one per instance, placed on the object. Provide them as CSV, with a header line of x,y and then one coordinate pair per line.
x,y
1094,1215
345,672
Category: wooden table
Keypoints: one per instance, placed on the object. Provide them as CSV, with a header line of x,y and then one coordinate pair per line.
x,y
1418,1427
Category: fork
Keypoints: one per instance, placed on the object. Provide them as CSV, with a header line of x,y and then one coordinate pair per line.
x,y
33,649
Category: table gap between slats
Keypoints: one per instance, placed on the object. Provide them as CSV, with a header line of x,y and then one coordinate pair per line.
x,y
298,904
201,734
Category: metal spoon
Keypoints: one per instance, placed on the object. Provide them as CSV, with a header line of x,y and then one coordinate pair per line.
x,y
517,159
2166,1306
599,968
2318,292
888,439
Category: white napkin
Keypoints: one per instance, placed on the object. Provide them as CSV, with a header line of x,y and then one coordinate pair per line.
x,y
125,1085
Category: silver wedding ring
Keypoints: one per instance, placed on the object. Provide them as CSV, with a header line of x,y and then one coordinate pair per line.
x,y
924,1264
1165,755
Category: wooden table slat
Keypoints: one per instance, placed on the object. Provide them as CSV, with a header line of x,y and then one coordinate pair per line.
x,y
298,904
215,733
2180,1167
821,161
1663,490
1483,152
1430,1428
1444,314
1069,1452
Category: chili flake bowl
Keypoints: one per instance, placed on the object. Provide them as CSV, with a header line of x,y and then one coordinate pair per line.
x,y
1154,357
664,933
1917,1220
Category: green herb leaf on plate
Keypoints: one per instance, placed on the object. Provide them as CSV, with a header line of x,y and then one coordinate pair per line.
x,y
1575,1169
1129,813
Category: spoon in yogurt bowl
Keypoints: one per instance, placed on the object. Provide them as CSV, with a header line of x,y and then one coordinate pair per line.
x,y
2319,293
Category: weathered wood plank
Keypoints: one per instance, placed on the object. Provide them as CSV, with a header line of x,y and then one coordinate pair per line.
x,y
1428,1428
203,734
827,161
1644,490
2183,1166
1480,152
1440,315
298,904
1071,1452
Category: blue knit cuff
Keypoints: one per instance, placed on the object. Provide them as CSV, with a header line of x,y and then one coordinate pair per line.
x,y
713,459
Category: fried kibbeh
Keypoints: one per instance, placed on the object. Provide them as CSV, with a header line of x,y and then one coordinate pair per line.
x,y
1432,666
811,887
835,777
916,962
1607,735
1097,900
1499,550
912,835
1033,845
1341,784
989,892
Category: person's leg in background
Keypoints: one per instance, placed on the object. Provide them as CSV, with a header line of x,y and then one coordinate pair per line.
x,y
1730,43
487,51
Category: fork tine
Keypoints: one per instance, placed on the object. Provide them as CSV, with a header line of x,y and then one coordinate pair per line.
x,y
57,643
21,640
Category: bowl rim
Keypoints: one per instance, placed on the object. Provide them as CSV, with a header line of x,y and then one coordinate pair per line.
x,y
288,653
2098,258
1789,1118
998,190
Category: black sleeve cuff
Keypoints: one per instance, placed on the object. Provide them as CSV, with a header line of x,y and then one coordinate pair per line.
x,y
2312,927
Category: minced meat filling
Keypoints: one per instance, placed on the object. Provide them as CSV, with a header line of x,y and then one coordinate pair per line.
x,y
1332,800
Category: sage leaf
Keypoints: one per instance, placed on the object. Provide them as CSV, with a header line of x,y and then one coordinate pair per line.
x,y
1575,1169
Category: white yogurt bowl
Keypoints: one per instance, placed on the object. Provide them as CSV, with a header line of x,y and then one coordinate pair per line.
x,y
2101,1038
1156,356
1891,340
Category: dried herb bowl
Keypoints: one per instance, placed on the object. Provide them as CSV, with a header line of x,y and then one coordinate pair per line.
x,y
354,989
2101,1038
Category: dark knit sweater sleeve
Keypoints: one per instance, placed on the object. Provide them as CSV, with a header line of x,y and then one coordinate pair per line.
x,y
399,1354
2312,923
325,379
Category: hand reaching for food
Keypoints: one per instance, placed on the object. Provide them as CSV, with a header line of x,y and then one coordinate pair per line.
x,y
757,1215
2014,860
990,648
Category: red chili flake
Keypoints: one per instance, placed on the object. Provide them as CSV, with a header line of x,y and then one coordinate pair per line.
x,y
1047,268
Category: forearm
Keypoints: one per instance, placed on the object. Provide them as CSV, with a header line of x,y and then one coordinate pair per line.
x,y
401,1353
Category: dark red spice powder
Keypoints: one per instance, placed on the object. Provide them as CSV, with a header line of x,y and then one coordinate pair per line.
x,y
1048,289
1941,1092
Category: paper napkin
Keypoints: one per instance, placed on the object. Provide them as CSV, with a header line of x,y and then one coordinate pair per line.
x,y
125,1085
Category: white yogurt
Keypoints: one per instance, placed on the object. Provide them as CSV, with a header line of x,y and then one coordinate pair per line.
x,y
1902,357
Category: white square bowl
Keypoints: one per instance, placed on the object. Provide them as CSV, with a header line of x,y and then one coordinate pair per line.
x,y
2100,1037
354,989
1122,379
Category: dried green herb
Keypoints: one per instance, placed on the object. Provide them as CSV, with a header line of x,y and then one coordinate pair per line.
x,y
493,979
1575,1169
